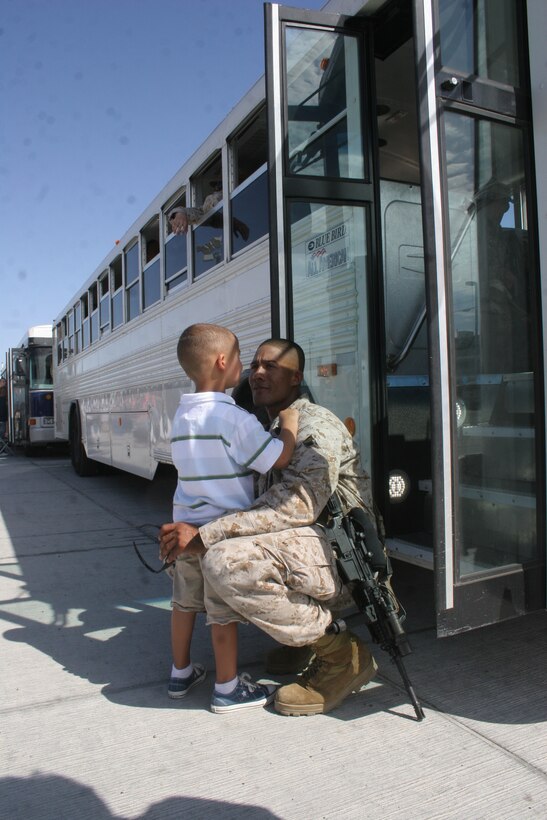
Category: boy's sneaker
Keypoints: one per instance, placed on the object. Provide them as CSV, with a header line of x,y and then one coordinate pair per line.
x,y
246,695
179,687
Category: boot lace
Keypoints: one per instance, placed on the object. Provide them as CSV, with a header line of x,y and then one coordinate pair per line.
x,y
313,669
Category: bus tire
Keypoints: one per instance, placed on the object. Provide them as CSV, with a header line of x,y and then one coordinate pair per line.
x,y
83,466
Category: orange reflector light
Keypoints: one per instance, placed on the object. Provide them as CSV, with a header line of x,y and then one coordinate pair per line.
x,y
327,369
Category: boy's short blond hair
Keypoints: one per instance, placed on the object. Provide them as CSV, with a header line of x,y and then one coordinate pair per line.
x,y
200,344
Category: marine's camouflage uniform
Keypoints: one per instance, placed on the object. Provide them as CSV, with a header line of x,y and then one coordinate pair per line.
x,y
269,563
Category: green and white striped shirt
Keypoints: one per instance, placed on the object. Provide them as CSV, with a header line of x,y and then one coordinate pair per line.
x,y
216,446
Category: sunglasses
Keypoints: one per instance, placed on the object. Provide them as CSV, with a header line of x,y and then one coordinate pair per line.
x,y
152,536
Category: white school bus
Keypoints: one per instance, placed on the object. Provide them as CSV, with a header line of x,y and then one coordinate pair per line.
x,y
380,205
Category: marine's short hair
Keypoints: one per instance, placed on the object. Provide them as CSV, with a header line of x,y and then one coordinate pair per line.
x,y
200,342
284,345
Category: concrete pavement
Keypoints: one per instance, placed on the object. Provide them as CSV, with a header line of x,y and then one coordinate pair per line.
x,y
87,731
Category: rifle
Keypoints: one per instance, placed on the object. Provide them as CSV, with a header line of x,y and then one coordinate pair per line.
x,y
364,565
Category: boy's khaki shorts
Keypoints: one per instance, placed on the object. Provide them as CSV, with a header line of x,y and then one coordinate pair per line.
x,y
192,593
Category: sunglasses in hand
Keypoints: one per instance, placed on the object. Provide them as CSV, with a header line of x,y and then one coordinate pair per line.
x,y
151,531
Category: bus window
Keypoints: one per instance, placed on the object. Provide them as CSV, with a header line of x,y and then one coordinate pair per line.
x,y
324,126
59,336
40,368
150,244
175,248
94,312
150,241
65,338
70,330
85,320
132,300
249,197
151,284
104,303
77,327
208,181
208,235
116,289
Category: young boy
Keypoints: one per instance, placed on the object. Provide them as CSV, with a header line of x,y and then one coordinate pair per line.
x,y
215,446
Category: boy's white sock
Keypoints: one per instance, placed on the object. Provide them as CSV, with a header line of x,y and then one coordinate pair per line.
x,y
226,688
182,673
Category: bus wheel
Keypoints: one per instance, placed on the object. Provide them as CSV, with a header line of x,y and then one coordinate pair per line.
x,y
83,465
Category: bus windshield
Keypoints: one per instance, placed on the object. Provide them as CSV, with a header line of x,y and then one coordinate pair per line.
x,y
40,368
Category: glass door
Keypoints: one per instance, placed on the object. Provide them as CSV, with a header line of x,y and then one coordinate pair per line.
x,y
487,421
17,395
322,206
402,255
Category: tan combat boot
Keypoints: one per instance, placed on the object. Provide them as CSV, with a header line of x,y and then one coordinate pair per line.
x,y
343,664
288,660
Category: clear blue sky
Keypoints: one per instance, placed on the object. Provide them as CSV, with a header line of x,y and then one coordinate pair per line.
x,y
101,102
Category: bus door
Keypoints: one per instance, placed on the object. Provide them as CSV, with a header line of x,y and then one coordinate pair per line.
x,y
347,243
17,395
358,155
323,225
40,395
482,281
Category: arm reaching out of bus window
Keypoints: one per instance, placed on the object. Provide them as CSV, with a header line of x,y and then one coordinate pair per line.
x,y
180,218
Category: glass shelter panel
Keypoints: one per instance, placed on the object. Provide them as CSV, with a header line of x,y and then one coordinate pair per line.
x,y
491,286
329,267
323,104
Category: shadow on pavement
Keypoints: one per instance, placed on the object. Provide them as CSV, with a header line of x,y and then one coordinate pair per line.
x,y
85,601
51,797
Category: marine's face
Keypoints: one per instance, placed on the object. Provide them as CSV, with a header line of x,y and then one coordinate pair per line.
x,y
275,378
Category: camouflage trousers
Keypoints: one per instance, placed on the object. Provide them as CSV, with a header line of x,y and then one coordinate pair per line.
x,y
280,581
